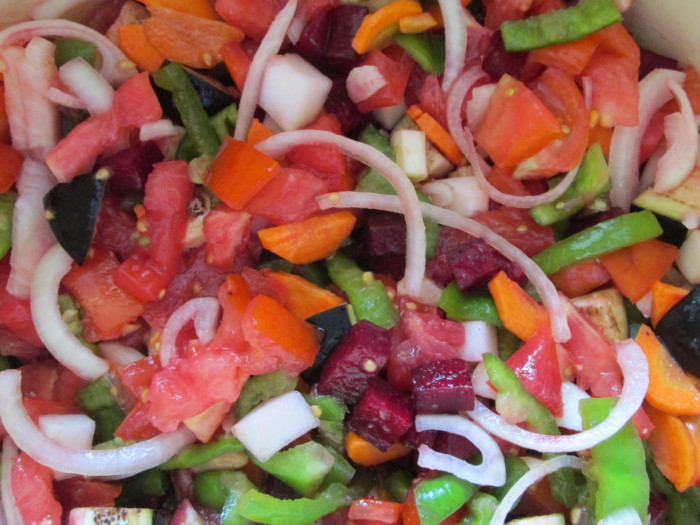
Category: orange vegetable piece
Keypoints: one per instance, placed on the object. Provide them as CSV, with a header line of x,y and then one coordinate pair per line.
x,y
258,132
136,46
373,510
309,240
663,298
376,28
580,278
634,269
409,513
417,23
436,134
673,449
11,162
362,452
670,389
602,136
572,57
239,172
520,313
187,39
237,62
303,298
200,8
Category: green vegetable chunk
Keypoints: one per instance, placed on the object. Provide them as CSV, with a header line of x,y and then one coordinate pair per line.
x,y
212,488
559,26
200,453
427,49
261,388
230,514
459,306
481,509
98,401
439,497
7,207
69,48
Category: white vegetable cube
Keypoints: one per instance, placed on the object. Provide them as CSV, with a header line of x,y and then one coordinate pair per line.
x,y
410,147
479,338
70,430
388,116
111,515
689,257
293,91
571,396
275,424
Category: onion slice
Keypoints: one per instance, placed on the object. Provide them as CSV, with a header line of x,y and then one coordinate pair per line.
x,y
269,46
91,88
121,461
118,353
545,288
635,369
203,311
116,68
52,330
530,478
492,469
9,453
456,22
411,284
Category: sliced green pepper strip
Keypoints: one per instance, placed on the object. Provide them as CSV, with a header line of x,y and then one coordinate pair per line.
x,y
230,514
302,467
398,484
604,237
368,297
332,409
618,464
427,49
263,508
440,497
7,207
139,490
592,179
69,48
559,26
341,471
459,306
212,488
174,79
201,453
515,468
97,401
224,121
261,388
481,509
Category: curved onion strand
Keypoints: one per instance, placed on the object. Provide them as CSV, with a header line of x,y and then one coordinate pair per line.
x,y
122,461
635,369
456,22
492,469
278,145
530,478
51,327
11,512
203,311
270,45
545,288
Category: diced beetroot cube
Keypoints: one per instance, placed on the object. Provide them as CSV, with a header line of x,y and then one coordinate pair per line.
x,y
382,415
131,166
498,61
454,445
415,439
361,355
385,233
339,104
443,386
475,262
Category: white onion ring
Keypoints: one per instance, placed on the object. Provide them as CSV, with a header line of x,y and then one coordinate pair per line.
x,y
116,68
11,512
464,139
113,462
456,22
52,330
626,140
159,129
269,46
91,88
119,354
529,478
492,469
635,370
278,145
545,288
681,133
203,311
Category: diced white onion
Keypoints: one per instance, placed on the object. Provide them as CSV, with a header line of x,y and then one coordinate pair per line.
x,y
119,354
571,396
70,430
64,99
462,194
492,469
479,338
456,22
363,82
87,84
390,115
203,311
160,129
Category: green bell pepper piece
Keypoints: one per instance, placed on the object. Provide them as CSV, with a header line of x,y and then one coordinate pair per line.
x,y
7,208
212,488
139,490
515,468
618,464
602,238
97,401
559,26
263,508
459,306
174,79
261,388
368,297
69,48
398,484
427,49
437,498
332,408
200,453
480,510
341,471
302,467
229,514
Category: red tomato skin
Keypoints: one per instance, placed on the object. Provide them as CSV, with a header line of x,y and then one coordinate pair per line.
x,y
327,161
227,233
135,103
395,66
537,366
78,492
15,313
137,376
250,16
432,100
516,225
137,424
32,489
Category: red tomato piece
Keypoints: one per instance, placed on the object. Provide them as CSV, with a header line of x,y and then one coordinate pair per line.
x,y
323,159
137,376
78,492
580,278
32,488
227,232
135,103
364,509
516,124
250,16
15,313
502,179
234,296
516,225
395,65
432,100
38,379
537,366
572,57
37,407
498,11
108,308
137,424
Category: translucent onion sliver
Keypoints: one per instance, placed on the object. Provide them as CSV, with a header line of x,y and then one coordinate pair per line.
x,y
203,311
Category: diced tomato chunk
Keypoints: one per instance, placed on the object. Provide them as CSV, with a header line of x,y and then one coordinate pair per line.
x,y
326,160
32,488
137,424
516,225
135,102
15,313
227,232
136,376
78,492
395,66
250,16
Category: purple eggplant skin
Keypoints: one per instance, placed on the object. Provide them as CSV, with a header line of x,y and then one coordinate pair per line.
x,y
679,330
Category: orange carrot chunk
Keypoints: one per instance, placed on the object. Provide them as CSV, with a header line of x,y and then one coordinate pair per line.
x,y
673,449
303,298
663,298
520,313
363,453
136,46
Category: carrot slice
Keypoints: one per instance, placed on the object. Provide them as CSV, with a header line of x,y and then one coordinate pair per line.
x,y
239,172
258,132
580,278
136,46
200,8
187,39
417,23
670,389
673,449
437,135
11,162
663,298
309,240
520,313
237,62
376,28
303,298
363,453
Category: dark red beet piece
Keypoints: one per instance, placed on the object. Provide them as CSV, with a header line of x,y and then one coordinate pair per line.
x,y
415,439
498,61
361,355
339,104
114,228
382,415
443,386
454,445
314,38
650,61
475,262
384,237
131,166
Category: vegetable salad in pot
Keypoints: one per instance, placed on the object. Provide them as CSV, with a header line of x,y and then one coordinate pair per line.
x,y
365,262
